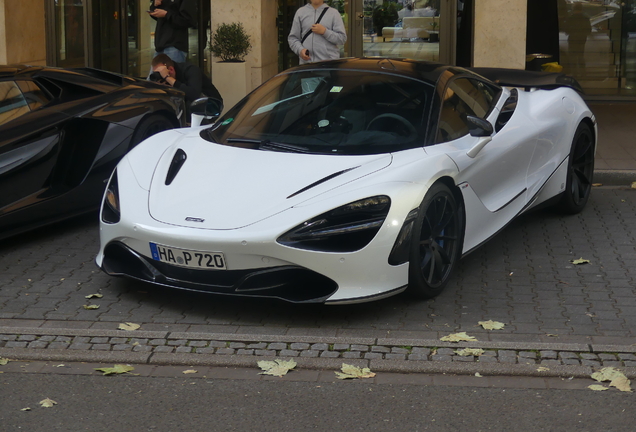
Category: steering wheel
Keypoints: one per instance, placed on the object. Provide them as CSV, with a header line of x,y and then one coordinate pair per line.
x,y
411,133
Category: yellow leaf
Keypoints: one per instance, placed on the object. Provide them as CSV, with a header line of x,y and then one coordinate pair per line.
x,y
4,361
542,369
491,325
478,375
552,335
90,307
26,409
128,326
117,369
615,377
189,371
597,184
90,296
277,367
580,261
47,403
353,372
597,387
458,337
633,185
470,352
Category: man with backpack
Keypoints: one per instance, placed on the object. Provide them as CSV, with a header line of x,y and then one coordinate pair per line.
x,y
316,32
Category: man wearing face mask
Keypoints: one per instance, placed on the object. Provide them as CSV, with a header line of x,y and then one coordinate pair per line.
x,y
173,17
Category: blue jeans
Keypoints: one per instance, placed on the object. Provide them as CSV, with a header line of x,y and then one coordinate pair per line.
x,y
176,55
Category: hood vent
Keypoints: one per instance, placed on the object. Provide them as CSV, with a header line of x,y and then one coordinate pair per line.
x,y
322,180
178,160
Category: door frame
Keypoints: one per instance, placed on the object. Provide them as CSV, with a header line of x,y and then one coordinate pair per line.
x,y
448,30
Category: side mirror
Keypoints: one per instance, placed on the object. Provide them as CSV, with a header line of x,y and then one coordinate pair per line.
x,y
479,127
205,108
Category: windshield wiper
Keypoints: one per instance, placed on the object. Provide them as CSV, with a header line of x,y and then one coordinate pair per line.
x,y
270,145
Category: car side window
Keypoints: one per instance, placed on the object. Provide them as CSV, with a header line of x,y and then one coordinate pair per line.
x,y
33,94
13,104
463,97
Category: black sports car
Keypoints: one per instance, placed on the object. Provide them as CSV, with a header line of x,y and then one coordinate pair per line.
x,y
63,131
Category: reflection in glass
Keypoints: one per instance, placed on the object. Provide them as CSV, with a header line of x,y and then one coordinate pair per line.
x,y
408,29
69,17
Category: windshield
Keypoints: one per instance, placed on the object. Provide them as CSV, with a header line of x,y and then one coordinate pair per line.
x,y
329,112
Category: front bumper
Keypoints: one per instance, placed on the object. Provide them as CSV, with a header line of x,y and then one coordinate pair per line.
x,y
291,283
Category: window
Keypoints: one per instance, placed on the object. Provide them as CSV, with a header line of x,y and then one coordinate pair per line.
x,y
463,97
33,94
12,102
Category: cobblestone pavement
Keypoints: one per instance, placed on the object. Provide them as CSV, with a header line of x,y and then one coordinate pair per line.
x,y
523,277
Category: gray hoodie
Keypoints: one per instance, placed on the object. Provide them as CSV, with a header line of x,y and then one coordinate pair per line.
x,y
321,47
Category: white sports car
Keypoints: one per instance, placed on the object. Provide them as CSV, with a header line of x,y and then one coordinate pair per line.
x,y
347,181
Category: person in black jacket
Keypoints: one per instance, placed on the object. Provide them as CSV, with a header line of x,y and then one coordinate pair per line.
x,y
186,77
173,17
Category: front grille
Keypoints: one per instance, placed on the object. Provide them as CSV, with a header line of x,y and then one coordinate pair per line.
x,y
291,283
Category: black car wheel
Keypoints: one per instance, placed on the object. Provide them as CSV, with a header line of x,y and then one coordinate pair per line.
x,y
436,242
150,126
580,171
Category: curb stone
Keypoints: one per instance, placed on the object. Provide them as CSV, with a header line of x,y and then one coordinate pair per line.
x,y
380,354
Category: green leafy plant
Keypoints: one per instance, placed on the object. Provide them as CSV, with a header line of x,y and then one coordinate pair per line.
x,y
230,42
384,15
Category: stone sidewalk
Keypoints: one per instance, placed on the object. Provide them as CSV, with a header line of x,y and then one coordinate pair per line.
x,y
560,316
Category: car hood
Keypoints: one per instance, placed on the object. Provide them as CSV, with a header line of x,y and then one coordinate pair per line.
x,y
223,187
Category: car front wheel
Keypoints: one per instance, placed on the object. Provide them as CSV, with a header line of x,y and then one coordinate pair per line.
x,y
436,242
150,126
580,171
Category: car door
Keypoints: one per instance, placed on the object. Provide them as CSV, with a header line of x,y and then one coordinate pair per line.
x,y
497,173
29,143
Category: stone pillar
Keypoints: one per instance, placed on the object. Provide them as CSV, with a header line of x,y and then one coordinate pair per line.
x,y
22,32
259,20
500,34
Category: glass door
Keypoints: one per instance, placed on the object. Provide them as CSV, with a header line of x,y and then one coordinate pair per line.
x,y
415,29
69,33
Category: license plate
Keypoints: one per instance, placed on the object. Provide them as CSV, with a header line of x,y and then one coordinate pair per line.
x,y
188,258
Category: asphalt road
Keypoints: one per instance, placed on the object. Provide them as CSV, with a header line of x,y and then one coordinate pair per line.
x,y
523,277
180,403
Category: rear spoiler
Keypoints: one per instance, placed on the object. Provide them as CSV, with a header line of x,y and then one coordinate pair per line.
x,y
527,79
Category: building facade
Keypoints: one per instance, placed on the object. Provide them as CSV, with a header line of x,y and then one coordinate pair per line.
x,y
592,40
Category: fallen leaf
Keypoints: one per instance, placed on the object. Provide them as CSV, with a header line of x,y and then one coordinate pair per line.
x,y
60,365
491,325
580,261
47,403
597,184
117,369
542,369
26,409
478,375
457,337
552,335
128,326
277,367
615,377
189,371
90,296
470,352
591,315
633,185
597,387
353,372
89,307
623,200
4,361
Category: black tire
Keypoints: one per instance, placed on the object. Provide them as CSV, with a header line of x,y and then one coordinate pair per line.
x,y
436,242
578,184
150,126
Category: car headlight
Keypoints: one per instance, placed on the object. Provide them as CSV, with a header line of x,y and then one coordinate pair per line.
x,y
345,229
111,212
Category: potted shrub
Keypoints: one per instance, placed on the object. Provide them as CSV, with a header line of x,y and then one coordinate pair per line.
x,y
232,74
230,42
384,15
